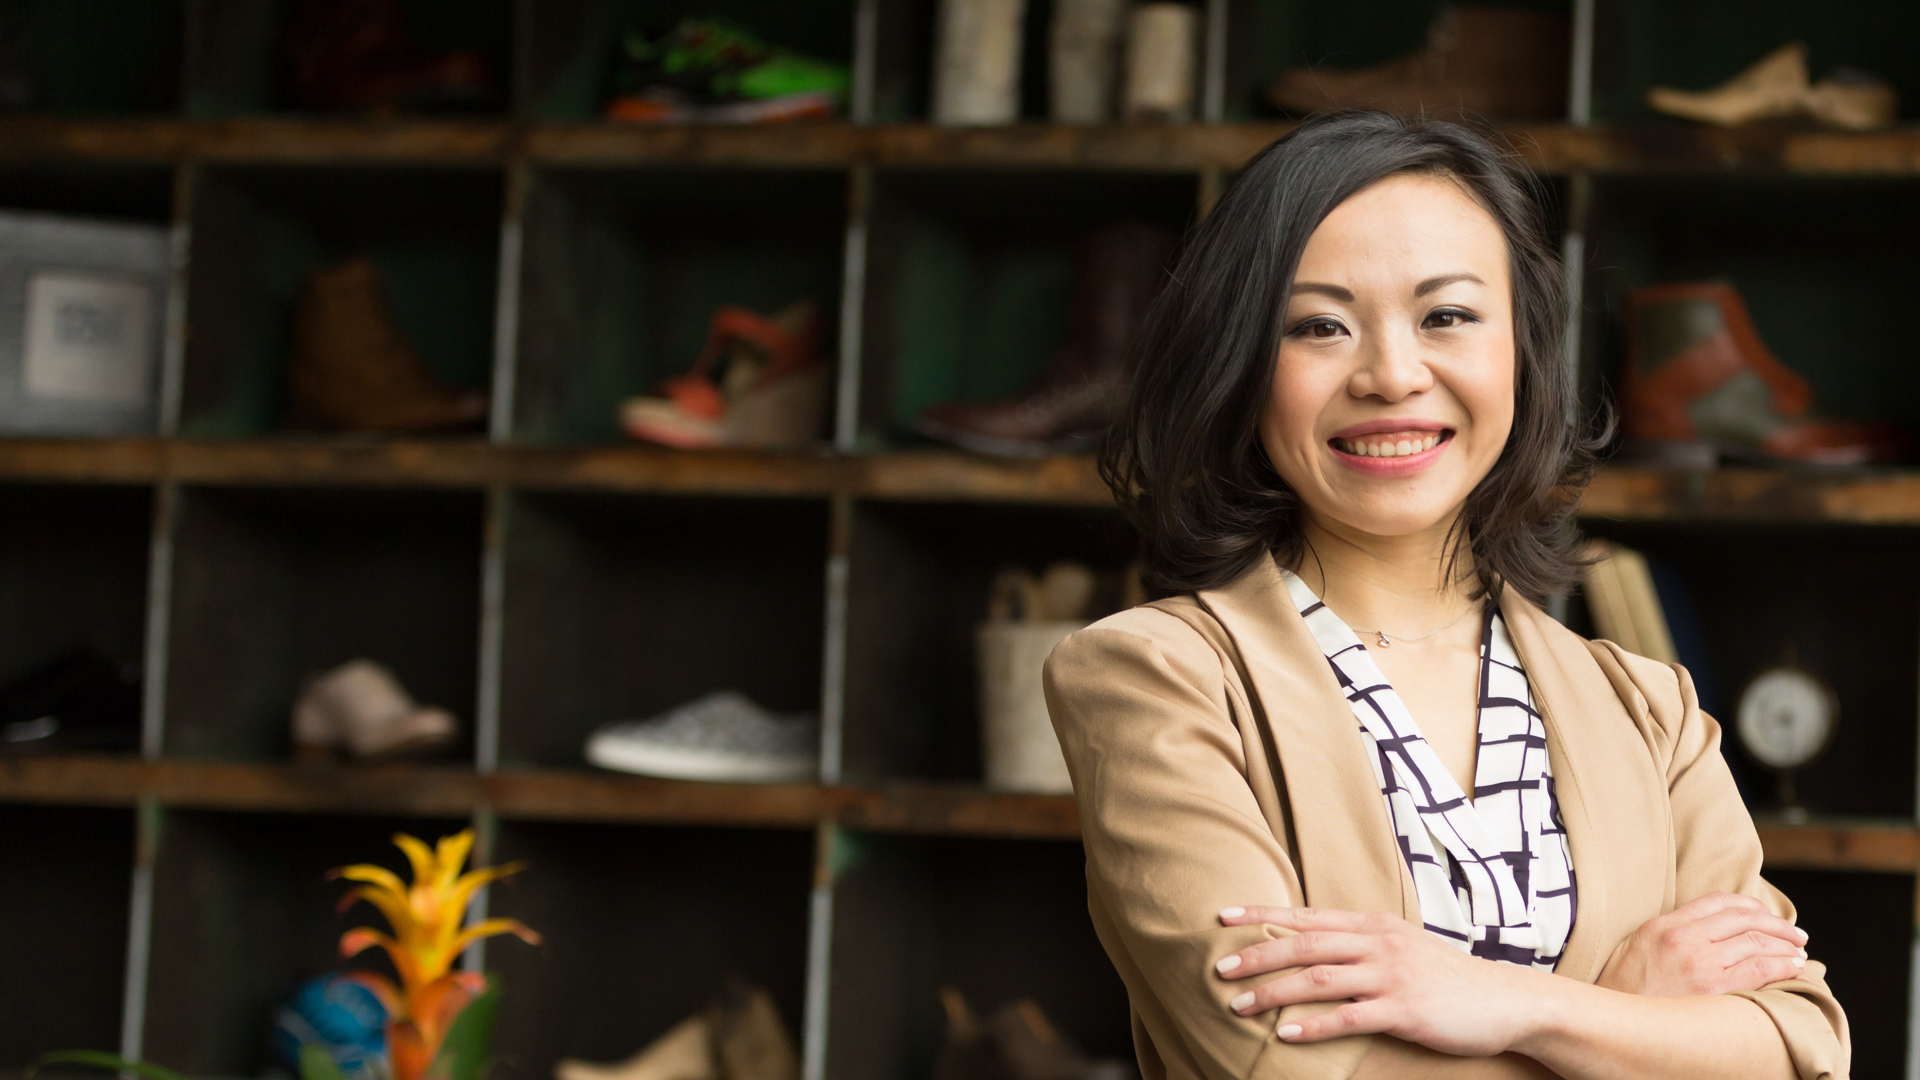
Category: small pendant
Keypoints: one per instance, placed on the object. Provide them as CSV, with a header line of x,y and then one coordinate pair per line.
x,y
1383,642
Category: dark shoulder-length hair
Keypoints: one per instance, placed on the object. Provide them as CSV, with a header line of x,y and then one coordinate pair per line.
x,y
1184,458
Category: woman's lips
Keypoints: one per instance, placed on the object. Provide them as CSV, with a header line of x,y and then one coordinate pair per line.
x,y
1391,453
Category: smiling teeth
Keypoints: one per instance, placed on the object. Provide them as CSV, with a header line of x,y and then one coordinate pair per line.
x,y
1375,446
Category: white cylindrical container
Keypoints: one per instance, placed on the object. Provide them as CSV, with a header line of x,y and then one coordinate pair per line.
x,y
1161,41
976,63
1083,59
1022,753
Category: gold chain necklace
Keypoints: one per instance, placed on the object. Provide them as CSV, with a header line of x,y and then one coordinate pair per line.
x,y
1381,635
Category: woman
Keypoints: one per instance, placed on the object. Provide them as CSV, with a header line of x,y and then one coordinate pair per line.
x,y
1350,457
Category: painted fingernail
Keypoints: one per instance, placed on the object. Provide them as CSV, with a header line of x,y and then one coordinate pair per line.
x,y
1232,912
1288,1031
1802,953
1798,962
1226,964
1241,1002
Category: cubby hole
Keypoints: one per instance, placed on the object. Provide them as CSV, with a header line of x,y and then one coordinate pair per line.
x,y
271,587
917,591
997,920
623,271
80,57
1699,44
243,55
64,889
433,235
73,576
245,913
574,44
1764,595
1859,924
1808,256
131,193
970,275
619,608
643,926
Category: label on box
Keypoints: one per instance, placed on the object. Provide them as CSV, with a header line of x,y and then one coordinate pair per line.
x,y
89,338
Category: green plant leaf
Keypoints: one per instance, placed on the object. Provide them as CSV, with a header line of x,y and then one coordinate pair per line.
x,y
317,1064
468,1047
100,1059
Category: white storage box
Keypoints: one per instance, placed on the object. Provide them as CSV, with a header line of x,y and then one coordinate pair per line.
x,y
83,308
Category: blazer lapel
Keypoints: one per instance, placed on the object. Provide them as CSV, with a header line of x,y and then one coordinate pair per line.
x,y
1347,856
1611,797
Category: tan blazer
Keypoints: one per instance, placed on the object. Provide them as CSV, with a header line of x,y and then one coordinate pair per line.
x,y
1216,764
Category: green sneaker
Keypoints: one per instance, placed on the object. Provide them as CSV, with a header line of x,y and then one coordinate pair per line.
x,y
710,71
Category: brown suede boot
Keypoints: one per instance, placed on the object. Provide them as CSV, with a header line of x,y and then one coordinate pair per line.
x,y
1478,61
1118,270
353,370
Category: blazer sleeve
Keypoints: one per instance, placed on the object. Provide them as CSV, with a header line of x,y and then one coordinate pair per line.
x,y
1717,850
1174,833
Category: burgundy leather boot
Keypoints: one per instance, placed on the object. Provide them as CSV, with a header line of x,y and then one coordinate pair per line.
x,y
1118,270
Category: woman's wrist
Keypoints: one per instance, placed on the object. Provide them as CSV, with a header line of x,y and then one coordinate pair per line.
x,y
1550,1008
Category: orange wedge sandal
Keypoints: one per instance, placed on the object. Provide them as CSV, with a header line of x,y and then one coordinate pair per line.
x,y
759,382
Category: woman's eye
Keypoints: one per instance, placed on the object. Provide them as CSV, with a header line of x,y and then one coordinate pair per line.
x,y
1447,319
1320,328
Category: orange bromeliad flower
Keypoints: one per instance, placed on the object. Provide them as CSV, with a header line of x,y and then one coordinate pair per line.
x,y
426,939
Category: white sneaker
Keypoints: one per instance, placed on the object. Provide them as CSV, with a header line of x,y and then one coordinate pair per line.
x,y
722,736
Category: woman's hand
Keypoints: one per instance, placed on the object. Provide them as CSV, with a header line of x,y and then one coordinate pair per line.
x,y
1402,980
1719,943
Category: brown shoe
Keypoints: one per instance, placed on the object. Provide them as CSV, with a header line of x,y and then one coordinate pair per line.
x,y
1118,270
352,368
1479,61
1698,374
357,54
1016,1043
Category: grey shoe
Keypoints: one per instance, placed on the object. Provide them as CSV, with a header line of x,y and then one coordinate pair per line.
x,y
722,736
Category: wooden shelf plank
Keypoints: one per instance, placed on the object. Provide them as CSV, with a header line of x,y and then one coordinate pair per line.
x,y
1633,494
1551,148
1841,844
580,795
1618,493
957,810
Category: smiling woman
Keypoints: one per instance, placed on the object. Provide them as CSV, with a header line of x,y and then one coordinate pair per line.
x,y
1523,851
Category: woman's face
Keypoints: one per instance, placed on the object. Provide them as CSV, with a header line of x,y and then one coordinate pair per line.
x,y
1393,390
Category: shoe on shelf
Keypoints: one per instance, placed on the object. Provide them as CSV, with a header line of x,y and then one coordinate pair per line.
x,y
357,55
1776,87
738,1037
759,382
708,71
79,702
360,709
722,736
1485,62
352,368
685,1052
1700,384
1016,1043
1118,270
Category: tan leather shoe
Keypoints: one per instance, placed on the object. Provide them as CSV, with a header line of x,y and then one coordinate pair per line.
x,y
361,709
685,1052
1776,86
749,1041
352,368
1853,100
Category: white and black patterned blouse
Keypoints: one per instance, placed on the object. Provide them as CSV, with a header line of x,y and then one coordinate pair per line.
x,y
1493,876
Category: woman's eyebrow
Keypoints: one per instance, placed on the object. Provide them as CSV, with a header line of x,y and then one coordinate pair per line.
x,y
1442,282
1345,296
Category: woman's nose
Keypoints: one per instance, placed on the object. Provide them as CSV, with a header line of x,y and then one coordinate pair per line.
x,y
1390,367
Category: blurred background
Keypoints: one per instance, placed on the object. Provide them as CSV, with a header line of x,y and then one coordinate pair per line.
x,y
657,436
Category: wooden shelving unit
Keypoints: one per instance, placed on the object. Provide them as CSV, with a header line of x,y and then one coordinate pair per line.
x,y
545,576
